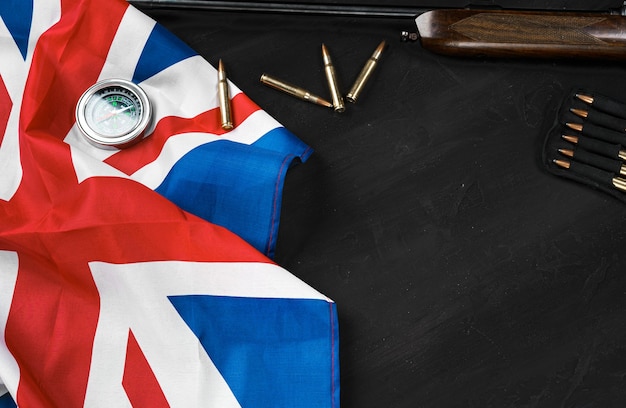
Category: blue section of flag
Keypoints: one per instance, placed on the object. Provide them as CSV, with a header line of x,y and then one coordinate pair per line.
x,y
6,401
268,355
162,50
282,141
247,204
17,16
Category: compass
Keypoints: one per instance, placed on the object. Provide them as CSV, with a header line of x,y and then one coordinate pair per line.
x,y
113,113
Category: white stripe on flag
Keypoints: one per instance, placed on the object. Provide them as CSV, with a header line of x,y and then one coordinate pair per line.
x,y
128,44
13,68
135,297
9,370
185,89
153,174
46,13
14,72
86,160
122,58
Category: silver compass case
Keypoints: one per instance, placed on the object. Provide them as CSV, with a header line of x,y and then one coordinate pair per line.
x,y
113,114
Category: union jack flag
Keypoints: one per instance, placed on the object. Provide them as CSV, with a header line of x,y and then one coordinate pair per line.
x,y
115,289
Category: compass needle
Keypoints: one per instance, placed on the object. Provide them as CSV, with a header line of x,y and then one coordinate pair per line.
x,y
113,114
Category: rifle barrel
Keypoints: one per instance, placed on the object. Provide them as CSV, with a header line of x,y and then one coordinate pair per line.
x,y
287,8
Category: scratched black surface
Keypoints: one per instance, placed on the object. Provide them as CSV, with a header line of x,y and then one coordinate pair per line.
x,y
465,274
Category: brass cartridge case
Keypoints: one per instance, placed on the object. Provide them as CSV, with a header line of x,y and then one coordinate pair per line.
x,y
331,77
619,183
293,90
365,74
223,94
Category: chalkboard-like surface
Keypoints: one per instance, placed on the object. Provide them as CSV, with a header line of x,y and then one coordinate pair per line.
x,y
464,273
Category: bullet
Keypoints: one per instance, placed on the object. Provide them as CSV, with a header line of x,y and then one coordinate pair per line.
x,y
223,95
618,183
599,132
329,69
604,104
562,163
602,119
571,139
575,126
611,150
579,112
605,163
365,74
585,98
293,90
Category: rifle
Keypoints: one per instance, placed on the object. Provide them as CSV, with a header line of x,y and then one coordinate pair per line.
x,y
467,32
535,34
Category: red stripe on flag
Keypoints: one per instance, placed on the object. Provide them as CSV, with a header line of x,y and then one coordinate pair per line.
x,y
57,226
55,308
139,382
132,159
6,104
48,294
35,332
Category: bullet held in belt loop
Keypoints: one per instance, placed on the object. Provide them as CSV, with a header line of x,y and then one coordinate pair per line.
x,y
612,150
575,126
602,162
617,182
571,139
567,152
223,95
561,163
365,74
604,104
585,98
329,69
293,90
579,112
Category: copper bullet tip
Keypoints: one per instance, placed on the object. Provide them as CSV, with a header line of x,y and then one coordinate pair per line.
x,y
562,163
571,139
579,112
221,71
585,98
575,126
325,55
567,152
379,50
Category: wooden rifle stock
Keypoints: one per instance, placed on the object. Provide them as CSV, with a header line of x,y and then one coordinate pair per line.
x,y
534,34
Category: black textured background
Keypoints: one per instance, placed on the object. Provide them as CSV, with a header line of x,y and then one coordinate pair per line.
x,y
465,274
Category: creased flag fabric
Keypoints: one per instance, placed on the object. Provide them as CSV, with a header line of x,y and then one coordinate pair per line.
x,y
233,179
140,277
